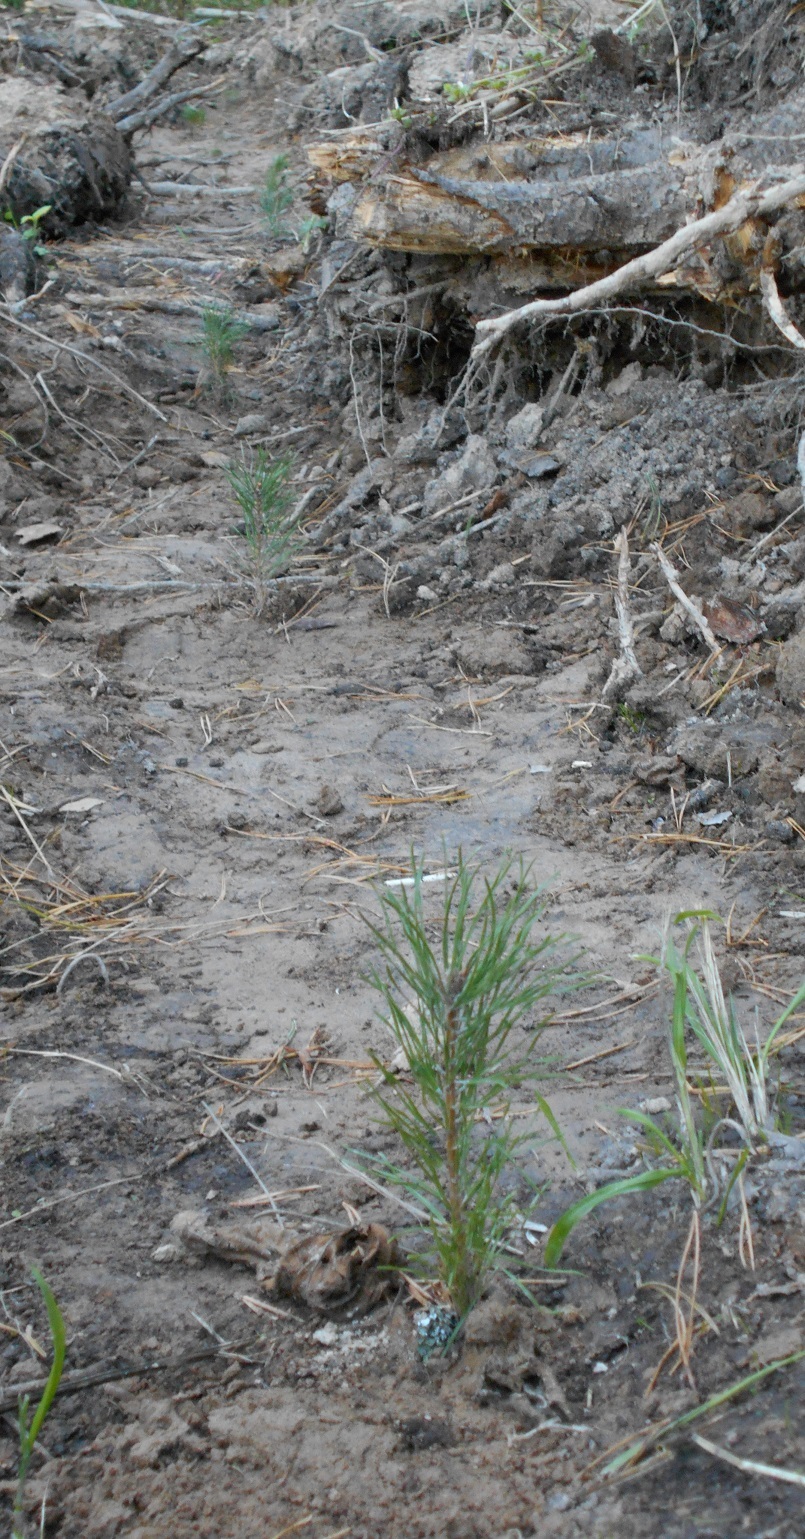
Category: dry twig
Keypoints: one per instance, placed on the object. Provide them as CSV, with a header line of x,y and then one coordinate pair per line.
x,y
625,669
670,574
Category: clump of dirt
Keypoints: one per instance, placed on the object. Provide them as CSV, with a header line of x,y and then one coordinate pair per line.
x,y
199,806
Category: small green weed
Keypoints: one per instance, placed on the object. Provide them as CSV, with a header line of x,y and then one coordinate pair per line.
x,y
221,330
271,529
29,1429
452,1006
193,117
309,229
654,517
276,198
634,720
458,90
713,1019
28,226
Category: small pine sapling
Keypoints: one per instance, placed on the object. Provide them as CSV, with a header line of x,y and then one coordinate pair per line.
x,y
271,529
276,198
221,330
453,1005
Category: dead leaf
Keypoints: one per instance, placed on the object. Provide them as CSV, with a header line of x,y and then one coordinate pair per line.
x,y
333,1271
83,804
732,621
84,328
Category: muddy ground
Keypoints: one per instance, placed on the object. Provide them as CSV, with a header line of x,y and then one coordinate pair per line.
x,y
201,806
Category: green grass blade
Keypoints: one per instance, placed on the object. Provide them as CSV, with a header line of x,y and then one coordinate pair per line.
x,y
573,1215
641,1446
59,1339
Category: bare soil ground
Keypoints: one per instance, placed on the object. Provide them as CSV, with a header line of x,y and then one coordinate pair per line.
x,y
240,790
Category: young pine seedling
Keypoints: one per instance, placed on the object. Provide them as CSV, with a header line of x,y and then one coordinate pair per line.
x,y
30,1428
221,330
271,529
453,1005
276,198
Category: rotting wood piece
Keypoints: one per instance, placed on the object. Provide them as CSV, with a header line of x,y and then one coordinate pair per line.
x,y
422,211
81,167
539,194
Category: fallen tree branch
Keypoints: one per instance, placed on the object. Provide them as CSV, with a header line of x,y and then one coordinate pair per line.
x,y
745,205
149,115
199,190
688,605
625,669
776,310
182,50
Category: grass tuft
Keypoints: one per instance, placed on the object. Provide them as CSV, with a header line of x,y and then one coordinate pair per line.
x,y
30,1428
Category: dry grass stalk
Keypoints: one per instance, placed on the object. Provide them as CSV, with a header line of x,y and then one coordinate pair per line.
x,y
62,907
749,1466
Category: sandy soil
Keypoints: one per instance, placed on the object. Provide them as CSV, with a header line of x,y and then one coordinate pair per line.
x,y
243,788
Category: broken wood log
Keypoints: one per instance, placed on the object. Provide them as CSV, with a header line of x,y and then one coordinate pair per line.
x,y
579,218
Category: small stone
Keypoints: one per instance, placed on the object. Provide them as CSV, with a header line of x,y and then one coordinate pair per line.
x,y
655,771
524,428
326,1335
778,829
703,794
329,802
475,468
253,422
501,576
169,1251
625,381
791,670
748,512
265,317
146,477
